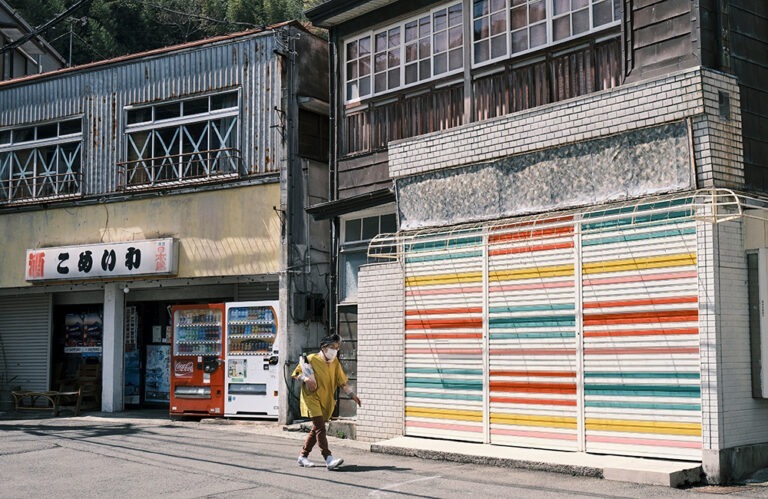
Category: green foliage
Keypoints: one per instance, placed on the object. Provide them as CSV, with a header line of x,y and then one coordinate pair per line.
x,y
103,29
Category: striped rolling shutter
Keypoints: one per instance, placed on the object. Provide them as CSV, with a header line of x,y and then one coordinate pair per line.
x,y
25,340
532,335
641,343
443,337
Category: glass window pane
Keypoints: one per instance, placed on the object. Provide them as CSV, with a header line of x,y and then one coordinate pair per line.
x,y
394,37
70,127
425,48
538,35
561,6
380,62
365,85
393,58
411,52
425,27
519,41
350,266
439,20
537,11
141,115
388,224
498,23
455,37
425,69
5,137
616,10
195,106
482,52
167,111
440,64
516,3
411,73
561,28
441,42
352,50
481,29
351,70
224,101
518,18
370,227
602,13
380,82
455,17
579,4
497,5
581,21
479,8
352,230
411,32
455,59
364,46
352,91
381,41
498,46
365,66
23,134
393,78
47,131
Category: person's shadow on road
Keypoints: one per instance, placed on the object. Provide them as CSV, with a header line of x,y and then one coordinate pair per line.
x,y
353,468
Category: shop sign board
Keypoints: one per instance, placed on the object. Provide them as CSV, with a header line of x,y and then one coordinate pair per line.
x,y
151,257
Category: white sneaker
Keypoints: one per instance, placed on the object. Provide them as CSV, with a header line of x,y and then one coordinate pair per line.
x,y
332,463
304,462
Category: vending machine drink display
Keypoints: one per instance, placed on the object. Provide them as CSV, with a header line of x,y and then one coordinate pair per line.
x,y
252,373
197,365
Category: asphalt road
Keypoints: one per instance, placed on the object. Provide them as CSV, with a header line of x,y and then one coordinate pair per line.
x,y
137,457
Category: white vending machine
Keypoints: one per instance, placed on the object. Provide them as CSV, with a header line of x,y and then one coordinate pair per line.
x,y
252,368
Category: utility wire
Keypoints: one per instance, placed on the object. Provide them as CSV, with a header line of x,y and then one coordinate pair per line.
x,y
40,29
195,16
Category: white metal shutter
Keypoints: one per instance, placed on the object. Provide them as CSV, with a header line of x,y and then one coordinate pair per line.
x,y
532,335
641,342
443,337
25,340
258,291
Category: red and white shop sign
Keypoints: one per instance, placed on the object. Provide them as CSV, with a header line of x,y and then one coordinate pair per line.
x,y
183,368
99,261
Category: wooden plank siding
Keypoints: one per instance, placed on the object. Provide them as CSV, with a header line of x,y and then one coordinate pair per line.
x,y
663,37
511,87
748,27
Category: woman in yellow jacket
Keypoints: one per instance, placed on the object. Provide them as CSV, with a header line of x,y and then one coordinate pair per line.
x,y
317,397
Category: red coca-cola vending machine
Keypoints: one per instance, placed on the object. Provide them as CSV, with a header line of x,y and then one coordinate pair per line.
x,y
197,362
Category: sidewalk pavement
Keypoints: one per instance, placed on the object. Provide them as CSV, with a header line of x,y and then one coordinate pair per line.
x,y
628,469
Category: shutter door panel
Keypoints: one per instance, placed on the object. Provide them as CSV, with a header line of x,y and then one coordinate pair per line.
x,y
25,325
642,394
443,338
532,335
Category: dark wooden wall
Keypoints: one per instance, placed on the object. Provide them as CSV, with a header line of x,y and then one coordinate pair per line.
x,y
747,23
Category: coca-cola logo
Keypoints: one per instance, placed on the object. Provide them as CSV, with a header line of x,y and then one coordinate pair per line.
x,y
183,369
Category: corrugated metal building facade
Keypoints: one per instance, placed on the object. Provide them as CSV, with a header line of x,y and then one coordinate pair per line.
x,y
211,145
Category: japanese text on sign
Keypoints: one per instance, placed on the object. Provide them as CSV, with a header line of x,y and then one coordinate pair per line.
x,y
135,258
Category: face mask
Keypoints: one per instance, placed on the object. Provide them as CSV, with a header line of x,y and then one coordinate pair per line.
x,y
330,354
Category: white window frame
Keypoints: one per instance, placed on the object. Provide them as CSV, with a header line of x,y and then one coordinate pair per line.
x,y
35,174
180,122
401,26
549,4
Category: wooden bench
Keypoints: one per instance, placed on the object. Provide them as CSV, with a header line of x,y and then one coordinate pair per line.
x,y
54,401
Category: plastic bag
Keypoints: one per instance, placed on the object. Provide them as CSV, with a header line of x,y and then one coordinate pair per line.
x,y
306,369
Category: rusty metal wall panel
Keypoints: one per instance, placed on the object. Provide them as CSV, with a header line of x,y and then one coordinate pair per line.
x,y
100,95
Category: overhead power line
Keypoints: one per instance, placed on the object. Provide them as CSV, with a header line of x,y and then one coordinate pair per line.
x,y
42,28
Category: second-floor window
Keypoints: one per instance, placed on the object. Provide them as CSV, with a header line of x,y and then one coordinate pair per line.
x,y
503,28
41,161
187,140
421,48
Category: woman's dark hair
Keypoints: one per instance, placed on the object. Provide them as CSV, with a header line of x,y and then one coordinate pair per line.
x,y
330,340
